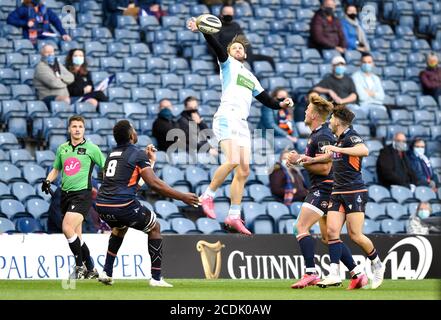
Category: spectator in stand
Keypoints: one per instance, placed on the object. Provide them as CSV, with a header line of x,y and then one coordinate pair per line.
x,y
51,78
431,77
229,30
36,20
393,165
420,164
368,85
338,86
287,183
281,121
163,124
415,224
354,34
151,8
194,127
326,29
111,10
82,87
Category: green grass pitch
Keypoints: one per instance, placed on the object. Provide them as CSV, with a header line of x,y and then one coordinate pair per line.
x,y
186,289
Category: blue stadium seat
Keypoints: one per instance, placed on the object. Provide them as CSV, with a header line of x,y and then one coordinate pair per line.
x,y
20,157
419,131
392,226
142,95
127,37
375,211
251,210
166,94
134,64
126,22
404,32
171,175
164,50
406,101
263,224
33,173
210,97
260,27
62,109
118,50
12,108
55,140
16,60
401,194
27,76
111,64
290,55
149,23
207,225
396,211
374,146
96,49
426,102
171,81
134,110
393,73
6,225
166,209
195,82
102,34
139,50
295,208
272,41
301,85
401,116
27,225
179,66
111,110
308,70
182,225
277,210
396,59
393,129
259,192
157,65
416,59
102,126
119,94
424,117
22,92
23,191
45,158
11,208
378,115
424,194
384,31
151,81
9,76
8,141
371,226
409,87
196,175
379,193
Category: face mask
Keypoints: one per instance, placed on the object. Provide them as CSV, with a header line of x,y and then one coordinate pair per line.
x,y
328,11
432,65
340,70
78,61
419,151
166,113
353,16
400,146
424,213
227,18
50,59
284,162
366,67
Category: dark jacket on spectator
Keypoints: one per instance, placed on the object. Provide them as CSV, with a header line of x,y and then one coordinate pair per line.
x,y
393,168
76,88
431,80
161,126
184,125
423,173
326,34
278,182
21,16
111,11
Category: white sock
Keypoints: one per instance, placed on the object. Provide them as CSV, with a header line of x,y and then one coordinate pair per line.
x,y
71,240
234,210
209,192
377,262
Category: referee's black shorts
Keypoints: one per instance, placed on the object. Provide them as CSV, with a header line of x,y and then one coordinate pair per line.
x,y
76,201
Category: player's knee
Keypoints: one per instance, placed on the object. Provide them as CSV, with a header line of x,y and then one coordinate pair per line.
x,y
332,232
355,236
302,228
244,171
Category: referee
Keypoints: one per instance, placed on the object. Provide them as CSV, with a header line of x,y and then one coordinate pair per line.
x,y
75,159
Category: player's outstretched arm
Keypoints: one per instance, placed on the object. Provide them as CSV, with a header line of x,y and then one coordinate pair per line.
x,y
272,103
220,51
148,175
359,150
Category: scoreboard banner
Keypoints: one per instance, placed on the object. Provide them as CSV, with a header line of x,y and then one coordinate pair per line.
x,y
229,256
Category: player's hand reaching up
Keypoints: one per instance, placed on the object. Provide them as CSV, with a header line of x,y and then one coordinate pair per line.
x,y
150,150
287,103
191,199
191,24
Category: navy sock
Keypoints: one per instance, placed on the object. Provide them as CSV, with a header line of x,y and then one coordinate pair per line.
x,y
373,255
86,257
335,250
112,250
346,257
75,247
307,247
155,251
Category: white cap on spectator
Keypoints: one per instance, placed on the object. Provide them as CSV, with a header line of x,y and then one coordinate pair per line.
x,y
337,60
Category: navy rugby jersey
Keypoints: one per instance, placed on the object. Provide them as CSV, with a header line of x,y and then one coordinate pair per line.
x,y
122,172
347,169
320,137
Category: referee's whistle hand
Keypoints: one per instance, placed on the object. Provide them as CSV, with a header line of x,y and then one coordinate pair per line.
x,y
45,187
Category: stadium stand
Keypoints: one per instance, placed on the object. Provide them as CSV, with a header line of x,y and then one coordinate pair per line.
x,y
153,60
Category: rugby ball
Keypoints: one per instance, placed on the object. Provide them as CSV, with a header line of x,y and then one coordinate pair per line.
x,y
207,23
